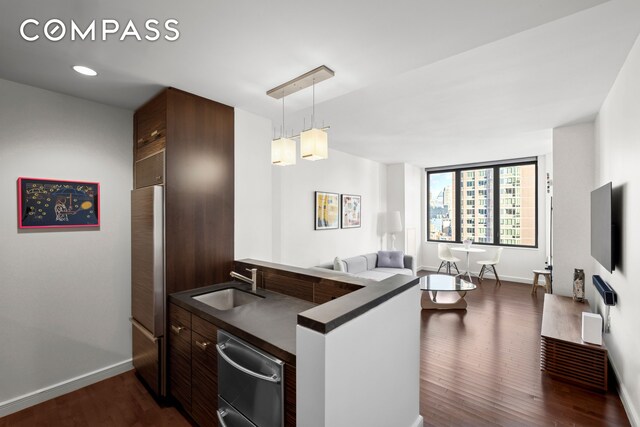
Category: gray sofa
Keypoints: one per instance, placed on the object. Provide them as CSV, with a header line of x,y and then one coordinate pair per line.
x,y
366,266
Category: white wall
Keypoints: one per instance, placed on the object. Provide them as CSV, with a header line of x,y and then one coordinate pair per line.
x,y
396,201
617,153
572,186
365,372
413,187
404,194
516,264
253,187
295,242
65,295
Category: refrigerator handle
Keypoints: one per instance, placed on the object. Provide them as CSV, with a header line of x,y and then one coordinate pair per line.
x,y
142,329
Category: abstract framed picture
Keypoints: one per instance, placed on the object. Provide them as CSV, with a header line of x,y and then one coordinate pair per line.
x,y
351,211
327,211
50,203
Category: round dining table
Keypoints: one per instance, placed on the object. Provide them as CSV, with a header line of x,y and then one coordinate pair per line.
x,y
468,251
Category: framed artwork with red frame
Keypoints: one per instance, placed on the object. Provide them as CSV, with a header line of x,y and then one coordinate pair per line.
x,y
52,203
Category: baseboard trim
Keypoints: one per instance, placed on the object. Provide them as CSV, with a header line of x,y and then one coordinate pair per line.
x,y
524,280
631,410
33,398
419,422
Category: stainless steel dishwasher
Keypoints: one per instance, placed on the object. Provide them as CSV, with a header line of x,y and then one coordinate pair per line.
x,y
250,385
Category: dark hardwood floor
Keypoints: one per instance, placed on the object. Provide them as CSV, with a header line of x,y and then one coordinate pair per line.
x,y
118,401
480,367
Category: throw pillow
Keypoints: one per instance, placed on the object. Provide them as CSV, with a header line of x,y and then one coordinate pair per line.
x,y
339,265
391,259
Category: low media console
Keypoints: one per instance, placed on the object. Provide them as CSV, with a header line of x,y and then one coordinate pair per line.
x,y
563,354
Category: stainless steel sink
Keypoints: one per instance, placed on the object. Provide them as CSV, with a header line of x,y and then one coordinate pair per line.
x,y
226,299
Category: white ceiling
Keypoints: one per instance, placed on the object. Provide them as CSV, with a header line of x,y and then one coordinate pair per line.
x,y
427,82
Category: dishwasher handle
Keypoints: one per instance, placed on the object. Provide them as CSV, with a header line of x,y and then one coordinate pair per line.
x,y
221,414
272,378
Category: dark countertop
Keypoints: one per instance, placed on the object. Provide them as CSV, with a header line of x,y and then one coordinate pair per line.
x,y
328,316
269,324
366,294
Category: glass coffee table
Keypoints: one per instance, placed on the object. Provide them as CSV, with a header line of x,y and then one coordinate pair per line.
x,y
434,283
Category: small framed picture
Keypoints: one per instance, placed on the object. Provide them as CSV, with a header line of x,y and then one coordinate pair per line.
x,y
327,211
52,203
351,211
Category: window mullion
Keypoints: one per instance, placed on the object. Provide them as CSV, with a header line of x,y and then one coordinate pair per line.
x,y
458,175
496,205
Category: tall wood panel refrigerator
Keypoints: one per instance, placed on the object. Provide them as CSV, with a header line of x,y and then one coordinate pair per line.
x,y
148,286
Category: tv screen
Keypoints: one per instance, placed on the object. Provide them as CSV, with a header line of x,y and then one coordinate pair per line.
x,y
602,226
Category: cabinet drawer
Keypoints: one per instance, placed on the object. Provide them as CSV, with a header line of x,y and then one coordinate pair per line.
x,y
150,171
205,329
204,380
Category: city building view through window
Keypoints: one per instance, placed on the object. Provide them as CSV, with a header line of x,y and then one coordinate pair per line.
x,y
442,203
490,205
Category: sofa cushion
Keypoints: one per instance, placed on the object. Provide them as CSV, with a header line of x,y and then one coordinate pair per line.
x,y
372,260
392,271
374,275
390,259
356,265
339,265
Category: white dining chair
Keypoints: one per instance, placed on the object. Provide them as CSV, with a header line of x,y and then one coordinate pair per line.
x,y
447,258
490,265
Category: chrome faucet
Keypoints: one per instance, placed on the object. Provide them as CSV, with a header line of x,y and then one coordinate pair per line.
x,y
253,281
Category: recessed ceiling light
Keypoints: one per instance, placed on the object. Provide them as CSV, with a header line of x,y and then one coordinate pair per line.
x,y
85,70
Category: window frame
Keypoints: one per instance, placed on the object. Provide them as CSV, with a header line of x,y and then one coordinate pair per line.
x,y
496,166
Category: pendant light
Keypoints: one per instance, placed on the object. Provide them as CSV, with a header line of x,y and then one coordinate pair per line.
x,y
314,143
283,150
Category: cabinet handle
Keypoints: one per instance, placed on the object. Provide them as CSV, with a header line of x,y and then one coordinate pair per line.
x,y
177,329
152,137
158,177
203,345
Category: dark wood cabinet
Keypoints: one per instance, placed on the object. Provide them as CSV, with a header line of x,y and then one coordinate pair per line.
x,y
204,371
186,143
193,365
180,355
150,171
183,146
150,127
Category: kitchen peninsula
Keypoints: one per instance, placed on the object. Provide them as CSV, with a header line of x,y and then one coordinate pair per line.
x,y
333,333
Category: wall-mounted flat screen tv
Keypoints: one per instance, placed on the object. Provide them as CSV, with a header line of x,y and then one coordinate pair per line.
x,y
602,226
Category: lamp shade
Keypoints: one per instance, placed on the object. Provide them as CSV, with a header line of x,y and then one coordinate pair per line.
x,y
314,144
394,222
283,152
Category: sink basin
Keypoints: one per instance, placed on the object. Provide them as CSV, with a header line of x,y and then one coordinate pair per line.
x,y
226,299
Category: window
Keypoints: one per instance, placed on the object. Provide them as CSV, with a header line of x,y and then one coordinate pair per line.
x,y
442,207
492,204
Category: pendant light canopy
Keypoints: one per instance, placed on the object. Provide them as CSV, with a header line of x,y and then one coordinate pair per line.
x,y
314,142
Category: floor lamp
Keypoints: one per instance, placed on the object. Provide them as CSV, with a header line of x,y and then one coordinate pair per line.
x,y
394,225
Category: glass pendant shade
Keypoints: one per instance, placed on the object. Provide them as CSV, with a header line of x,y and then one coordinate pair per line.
x,y
283,152
314,144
